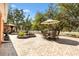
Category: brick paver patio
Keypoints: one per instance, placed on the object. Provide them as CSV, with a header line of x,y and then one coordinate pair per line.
x,y
38,46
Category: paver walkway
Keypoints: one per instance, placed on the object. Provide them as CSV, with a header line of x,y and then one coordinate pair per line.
x,y
7,49
38,46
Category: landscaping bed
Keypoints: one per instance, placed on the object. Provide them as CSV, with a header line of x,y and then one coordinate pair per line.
x,y
23,35
14,33
70,34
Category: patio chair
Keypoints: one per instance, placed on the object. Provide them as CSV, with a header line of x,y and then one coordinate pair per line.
x,y
6,36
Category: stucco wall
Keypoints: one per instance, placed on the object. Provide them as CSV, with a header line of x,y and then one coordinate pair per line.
x,y
3,15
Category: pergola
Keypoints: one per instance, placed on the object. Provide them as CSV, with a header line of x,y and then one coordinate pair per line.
x,y
9,27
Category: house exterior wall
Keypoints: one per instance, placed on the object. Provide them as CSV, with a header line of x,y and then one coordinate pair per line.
x,y
3,17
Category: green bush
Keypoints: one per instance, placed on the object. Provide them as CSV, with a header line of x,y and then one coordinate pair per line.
x,y
21,34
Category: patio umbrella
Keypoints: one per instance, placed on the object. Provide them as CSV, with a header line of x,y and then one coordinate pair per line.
x,y
50,21
52,25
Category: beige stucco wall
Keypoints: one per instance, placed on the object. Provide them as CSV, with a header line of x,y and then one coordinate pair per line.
x,y
3,18
4,11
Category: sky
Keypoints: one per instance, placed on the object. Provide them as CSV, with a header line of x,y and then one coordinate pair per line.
x,y
30,8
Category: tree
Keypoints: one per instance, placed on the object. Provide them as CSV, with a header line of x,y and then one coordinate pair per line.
x,y
39,17
72,12
10,18
19,18
27,24
50,12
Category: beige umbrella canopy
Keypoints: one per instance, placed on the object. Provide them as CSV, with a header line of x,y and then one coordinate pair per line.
x,y
50,21
9,25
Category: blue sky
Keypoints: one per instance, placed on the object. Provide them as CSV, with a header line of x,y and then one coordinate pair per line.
x,y
30,8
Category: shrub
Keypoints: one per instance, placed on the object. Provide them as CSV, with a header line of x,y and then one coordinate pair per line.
x,y
21,34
